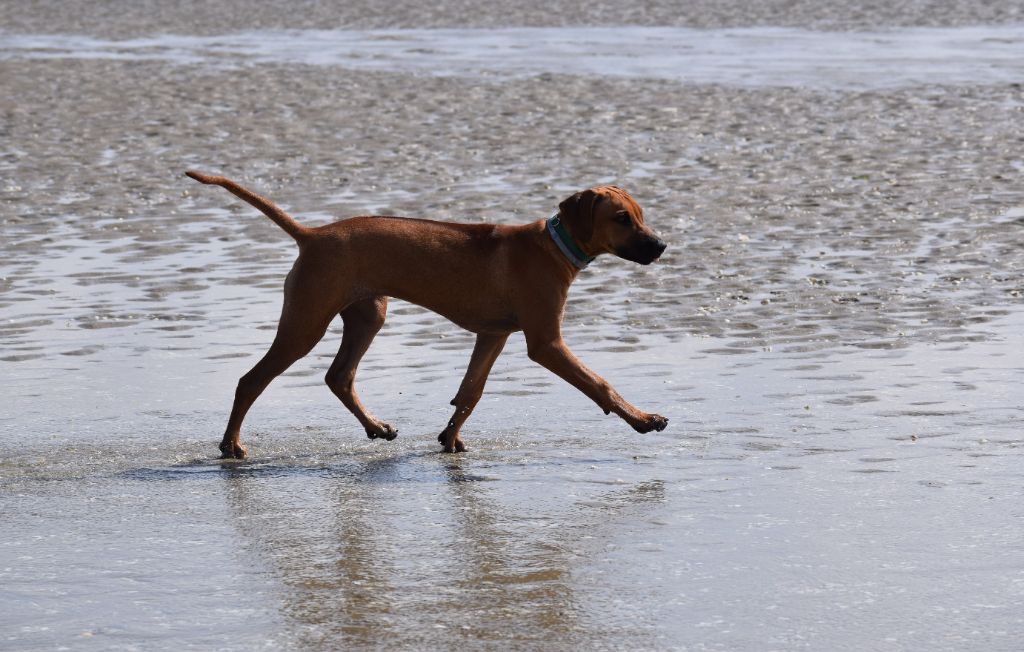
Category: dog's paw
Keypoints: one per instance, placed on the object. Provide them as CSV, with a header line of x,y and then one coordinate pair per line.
x,y
383,431
231,451
453,445
649,422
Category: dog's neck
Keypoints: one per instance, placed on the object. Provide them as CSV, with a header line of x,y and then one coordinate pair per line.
x,y
566,244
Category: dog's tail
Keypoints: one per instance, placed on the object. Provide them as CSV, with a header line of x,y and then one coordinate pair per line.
x,y
269,208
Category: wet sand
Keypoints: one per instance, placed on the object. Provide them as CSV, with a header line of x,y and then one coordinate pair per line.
x,y
834,334
129,18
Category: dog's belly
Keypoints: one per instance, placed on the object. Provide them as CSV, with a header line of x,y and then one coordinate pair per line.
x,y
486,326
488,314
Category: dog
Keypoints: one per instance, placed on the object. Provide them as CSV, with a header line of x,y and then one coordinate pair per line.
x,y
492,280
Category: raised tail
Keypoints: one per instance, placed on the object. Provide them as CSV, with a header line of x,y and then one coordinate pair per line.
x,y
269,208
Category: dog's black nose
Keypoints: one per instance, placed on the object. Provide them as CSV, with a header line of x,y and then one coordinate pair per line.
x,y
652,250
655,247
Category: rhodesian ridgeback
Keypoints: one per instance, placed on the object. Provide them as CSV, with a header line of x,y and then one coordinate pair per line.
x,y
490,279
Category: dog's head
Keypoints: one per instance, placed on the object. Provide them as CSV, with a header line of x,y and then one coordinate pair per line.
x,y
606,219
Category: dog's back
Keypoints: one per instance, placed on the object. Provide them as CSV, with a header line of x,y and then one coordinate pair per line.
x,y
437,265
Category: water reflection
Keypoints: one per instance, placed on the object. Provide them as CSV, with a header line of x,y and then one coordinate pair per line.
x,y
421,549
327,557
522,584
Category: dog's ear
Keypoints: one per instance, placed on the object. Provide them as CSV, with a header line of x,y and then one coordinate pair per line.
x,y
578,214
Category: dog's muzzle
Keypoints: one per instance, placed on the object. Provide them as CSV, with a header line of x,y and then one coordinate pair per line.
x,y
658,247
645,252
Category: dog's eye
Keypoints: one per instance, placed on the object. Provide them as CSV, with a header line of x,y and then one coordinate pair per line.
x,y
622,218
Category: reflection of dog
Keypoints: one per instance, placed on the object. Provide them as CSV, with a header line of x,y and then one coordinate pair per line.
x,y
491,280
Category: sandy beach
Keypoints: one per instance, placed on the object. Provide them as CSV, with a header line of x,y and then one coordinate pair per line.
x,y
834,331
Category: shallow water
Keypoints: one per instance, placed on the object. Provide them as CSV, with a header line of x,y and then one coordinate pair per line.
x,y
834,334
795,500
750,57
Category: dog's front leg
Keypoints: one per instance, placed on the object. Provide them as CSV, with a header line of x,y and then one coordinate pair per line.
x,y
549,350
485,352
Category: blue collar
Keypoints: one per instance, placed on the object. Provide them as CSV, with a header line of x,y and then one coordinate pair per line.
x,y
566,244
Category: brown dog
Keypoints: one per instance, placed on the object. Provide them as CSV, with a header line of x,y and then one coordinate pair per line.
x,y
491,280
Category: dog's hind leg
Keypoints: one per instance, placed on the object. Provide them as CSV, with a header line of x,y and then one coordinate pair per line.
x,y
362,319
485,352
304,320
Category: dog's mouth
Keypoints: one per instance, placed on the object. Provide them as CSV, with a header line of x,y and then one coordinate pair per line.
x,y
644,252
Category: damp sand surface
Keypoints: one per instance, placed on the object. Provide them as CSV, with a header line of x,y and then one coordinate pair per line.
x,y
835,334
